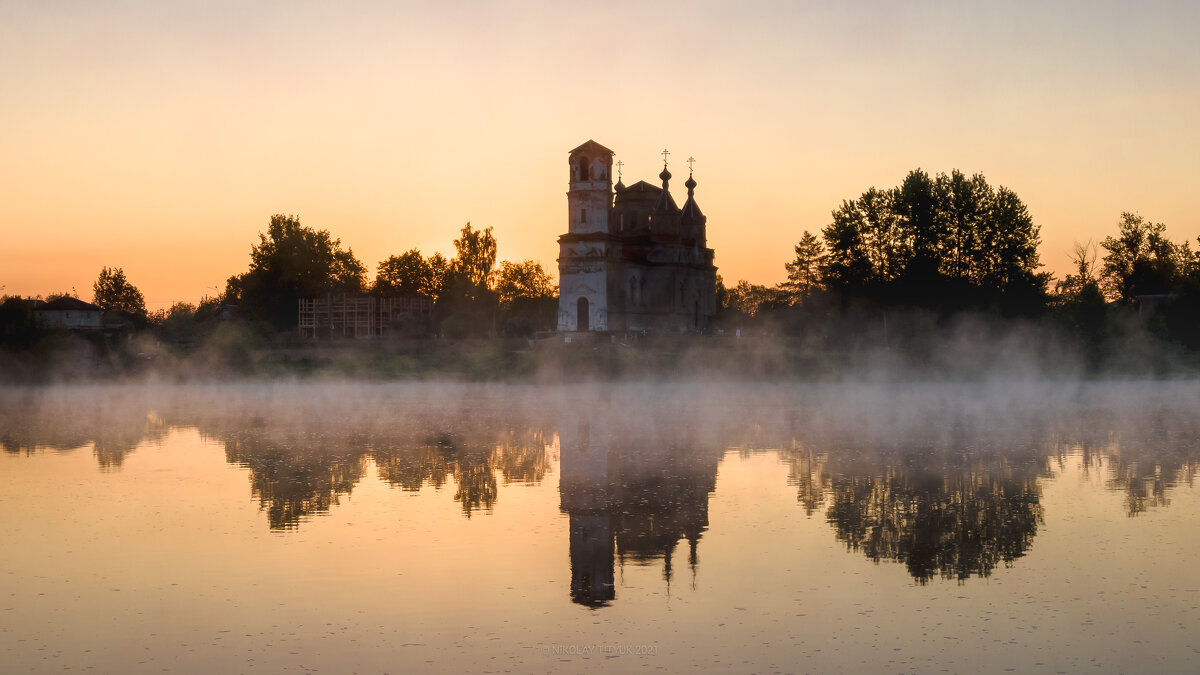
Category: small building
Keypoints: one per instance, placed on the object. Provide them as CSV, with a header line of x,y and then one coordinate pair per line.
x,y
363,316
70,313
632,260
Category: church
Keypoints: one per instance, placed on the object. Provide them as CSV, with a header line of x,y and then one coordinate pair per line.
x,y
632,259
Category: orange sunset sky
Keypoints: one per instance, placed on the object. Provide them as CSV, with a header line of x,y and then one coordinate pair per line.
x,y
160,136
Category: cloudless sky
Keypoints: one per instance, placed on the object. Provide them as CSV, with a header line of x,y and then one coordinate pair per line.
x,y
160,136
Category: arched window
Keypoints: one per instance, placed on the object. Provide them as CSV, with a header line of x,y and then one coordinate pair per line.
x,y
581,169
583,215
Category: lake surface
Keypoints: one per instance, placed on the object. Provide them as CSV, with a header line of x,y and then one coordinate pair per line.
x,y
334,527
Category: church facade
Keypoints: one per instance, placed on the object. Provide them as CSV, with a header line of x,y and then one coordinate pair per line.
x,y
632,259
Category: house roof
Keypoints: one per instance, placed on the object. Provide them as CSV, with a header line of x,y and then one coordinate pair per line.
x,y
68,304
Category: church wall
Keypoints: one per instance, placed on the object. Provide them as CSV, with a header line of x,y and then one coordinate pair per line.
x,y
593,285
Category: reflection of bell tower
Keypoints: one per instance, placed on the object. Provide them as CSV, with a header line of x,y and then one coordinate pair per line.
x,y
583,486
585,249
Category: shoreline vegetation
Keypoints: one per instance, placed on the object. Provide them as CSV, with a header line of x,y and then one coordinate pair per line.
x,y
937,278
964,348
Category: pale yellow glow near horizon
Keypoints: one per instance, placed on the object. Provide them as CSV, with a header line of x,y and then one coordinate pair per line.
x,y
160,139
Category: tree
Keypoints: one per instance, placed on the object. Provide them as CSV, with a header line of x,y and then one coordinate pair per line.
x,y
467,304
439,276
113,293
804,272
523,280
528,297
475,256
18,326
1080,303
750,300
1141,260
1078,284
405,274
847,268
291,262
947,242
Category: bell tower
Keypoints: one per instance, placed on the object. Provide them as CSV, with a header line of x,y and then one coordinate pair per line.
x,y
585,250
590,198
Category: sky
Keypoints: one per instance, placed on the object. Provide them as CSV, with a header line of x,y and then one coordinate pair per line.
x,y
160,137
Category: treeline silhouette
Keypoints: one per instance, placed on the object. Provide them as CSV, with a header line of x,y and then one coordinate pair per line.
x,y
902,275
902,266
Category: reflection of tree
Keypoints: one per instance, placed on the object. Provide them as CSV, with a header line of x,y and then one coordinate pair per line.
x,y
297,476
955,518
1144,472
1143,453
1145,482
111,445
475,475
523,457
411,468
472,456
113,429
807,472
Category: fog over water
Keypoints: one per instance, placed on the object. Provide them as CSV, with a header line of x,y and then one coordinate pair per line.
x,y
698,518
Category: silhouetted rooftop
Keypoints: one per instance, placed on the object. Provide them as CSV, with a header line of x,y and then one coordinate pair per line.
x,y
68,304
593,146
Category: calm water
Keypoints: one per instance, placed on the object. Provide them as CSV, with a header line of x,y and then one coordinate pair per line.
x,y
729,528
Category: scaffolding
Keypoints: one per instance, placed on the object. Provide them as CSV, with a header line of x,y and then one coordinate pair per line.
x,y
361,316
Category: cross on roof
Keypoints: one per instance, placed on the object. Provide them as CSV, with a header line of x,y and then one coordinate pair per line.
x,y
690,160
619,165
665,152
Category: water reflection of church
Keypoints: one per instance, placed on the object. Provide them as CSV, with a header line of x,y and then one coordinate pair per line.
x,y
952,504
630,501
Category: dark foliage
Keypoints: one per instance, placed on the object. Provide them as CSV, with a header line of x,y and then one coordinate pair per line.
x,y
948,243
292,262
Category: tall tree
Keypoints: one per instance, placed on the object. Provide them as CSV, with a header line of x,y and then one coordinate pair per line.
x,y
804,271
113,293
291,262
467,304
439,276
847,268
475,256
1140,260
